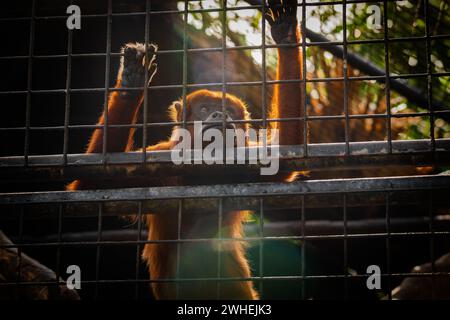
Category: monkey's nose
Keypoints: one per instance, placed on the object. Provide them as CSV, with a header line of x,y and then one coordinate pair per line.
x,y
217,115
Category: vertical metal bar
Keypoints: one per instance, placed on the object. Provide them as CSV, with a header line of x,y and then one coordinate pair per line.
x,y
26,150
344,204
67,97
58,247
303,248
387,84
305,99
184,94
388,244
185,68
19,252
432,255
429,73
263,66
224,79
179,220
345,71
145,107
97,256
261,247
107,72
219,247
138,248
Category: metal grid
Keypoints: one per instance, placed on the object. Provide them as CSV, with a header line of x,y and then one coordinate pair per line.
x,y
258,197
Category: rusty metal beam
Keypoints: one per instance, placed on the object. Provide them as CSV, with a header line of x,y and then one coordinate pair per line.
x,y
330,156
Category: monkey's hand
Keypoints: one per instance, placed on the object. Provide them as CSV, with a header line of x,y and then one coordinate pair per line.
x,y
133,66
282,17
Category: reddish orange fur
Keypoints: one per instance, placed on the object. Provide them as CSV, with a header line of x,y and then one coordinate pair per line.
x,y
161,257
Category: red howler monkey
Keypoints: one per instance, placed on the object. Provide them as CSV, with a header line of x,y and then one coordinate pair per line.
x,y
199,259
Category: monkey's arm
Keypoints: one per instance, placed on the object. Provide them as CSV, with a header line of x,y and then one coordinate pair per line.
x,y
287,98
123,106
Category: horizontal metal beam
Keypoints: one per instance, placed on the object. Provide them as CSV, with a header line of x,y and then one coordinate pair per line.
x,y
286,152
272,206
271,229
236,190
321,157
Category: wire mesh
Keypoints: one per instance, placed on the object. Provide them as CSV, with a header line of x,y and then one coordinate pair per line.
x,y
344,224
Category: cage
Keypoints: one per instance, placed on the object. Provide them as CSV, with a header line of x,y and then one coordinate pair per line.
x,y
367,217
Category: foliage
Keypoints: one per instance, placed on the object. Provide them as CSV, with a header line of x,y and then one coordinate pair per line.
x,y
405,18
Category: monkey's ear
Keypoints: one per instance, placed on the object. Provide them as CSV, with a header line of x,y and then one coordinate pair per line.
x,y
175,111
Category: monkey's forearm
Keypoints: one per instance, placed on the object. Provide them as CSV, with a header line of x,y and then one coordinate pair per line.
x,y
123,105
122,109
288,96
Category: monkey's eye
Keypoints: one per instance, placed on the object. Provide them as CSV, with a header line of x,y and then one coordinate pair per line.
x,y
230,111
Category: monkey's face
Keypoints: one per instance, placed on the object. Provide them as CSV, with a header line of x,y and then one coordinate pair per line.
x,y
211,114
204,107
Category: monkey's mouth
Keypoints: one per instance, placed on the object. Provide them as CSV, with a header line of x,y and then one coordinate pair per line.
x,y
218,126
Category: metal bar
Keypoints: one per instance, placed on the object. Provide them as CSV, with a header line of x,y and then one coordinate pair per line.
x,y
286,152
303,247
107,72
261,246
253,5
263,69
345,247
145,107
61,208
345,72
431,228
185,63
324,237
179,218
231,279
237,190
219,246
224,66
98,244
19,250
289,227
304,80
272,205
29,83
387,88
388,243
250,121
263,101
138,247
236,83
432,137
135,175
67,95
324,42
429,71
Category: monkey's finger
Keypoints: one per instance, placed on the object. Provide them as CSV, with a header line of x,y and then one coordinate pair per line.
x,y
153,68
152,48
129,52
291,7
268,14
275,7
269,17
151,59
